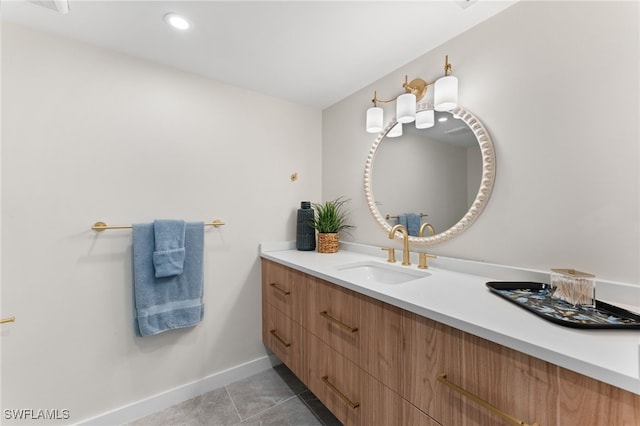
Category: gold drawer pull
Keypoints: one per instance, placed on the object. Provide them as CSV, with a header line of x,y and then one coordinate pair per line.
x,y
280,339
342,396
280,289
337,321
5,320
442,378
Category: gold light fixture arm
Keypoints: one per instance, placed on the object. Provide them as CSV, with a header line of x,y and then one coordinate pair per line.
x,y
375,99
447,66
417,86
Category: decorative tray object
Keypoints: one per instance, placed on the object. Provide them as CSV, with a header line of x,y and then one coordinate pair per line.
x,y
536,298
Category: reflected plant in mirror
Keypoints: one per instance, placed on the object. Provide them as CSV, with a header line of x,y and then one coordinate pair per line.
x,y
442,175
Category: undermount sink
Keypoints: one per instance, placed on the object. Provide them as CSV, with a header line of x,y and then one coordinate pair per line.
x,y
381,273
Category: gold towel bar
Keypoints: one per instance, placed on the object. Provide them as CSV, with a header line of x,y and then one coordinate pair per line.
x,y
5,320
101,226
388,216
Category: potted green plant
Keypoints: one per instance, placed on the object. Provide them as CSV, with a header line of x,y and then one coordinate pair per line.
x,y
329,219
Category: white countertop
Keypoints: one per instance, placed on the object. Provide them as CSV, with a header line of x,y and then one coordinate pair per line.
x,y
455,294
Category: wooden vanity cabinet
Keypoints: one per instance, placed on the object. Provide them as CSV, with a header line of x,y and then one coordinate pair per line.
x,y
517,384
412,416
429,349
524,387
585,401
374,364
364,330
281,314
352,395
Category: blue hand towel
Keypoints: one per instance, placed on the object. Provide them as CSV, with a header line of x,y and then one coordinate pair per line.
x,y
413,224
171,302
403,220
169,254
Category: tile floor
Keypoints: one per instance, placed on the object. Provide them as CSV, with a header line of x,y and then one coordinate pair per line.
x,y
273,397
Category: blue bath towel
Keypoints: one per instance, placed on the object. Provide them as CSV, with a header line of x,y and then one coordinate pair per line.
x,y
168,302
168,257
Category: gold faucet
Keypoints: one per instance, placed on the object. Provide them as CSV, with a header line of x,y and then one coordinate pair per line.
x,y
422,257
432,230
405,237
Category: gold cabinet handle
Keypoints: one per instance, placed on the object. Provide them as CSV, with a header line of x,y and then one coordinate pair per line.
x,y
326,315
342,396
280,339
10,319
442,378
280,289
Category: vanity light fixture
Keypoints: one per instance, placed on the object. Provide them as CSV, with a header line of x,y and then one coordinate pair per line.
x,y
445,99
177,21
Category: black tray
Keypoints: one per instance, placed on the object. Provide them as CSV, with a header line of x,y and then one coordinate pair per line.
x,y
535,297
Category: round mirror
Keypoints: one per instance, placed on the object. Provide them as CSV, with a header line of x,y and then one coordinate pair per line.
x,y
442,175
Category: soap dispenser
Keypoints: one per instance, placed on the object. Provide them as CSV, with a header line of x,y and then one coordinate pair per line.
x,y
306,235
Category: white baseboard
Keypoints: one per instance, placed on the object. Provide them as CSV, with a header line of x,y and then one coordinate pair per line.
x,y
136,410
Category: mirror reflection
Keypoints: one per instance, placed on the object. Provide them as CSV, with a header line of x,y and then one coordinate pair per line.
x,y
442,175
432,175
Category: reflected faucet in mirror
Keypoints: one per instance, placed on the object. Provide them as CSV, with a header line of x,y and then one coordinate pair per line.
x,y
422,257
457,154
427,225
405,238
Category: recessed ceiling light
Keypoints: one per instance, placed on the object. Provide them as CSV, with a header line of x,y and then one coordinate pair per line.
x,y
176,21
441,119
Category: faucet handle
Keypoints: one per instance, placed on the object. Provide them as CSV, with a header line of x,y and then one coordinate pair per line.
x,y
422,260
392,254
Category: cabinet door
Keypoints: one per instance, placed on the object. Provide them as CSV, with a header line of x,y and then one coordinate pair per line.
x,y
381,341
333,315
430,349
284,337
588,402
515,383
282,288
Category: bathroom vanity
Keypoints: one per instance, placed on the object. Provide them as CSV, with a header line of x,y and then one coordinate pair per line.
x,y
427,347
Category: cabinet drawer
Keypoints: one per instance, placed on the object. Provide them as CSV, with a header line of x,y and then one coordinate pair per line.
x,y
588,402
335,380
431,348
333,315
284,337
354,397
518,385
282,288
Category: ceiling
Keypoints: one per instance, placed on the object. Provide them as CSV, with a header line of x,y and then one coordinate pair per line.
x,y
313,53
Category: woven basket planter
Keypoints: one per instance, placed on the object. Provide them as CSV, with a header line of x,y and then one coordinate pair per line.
x,y
328,243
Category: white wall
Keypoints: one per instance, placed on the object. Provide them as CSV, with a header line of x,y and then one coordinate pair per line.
x,y
556,85
91,135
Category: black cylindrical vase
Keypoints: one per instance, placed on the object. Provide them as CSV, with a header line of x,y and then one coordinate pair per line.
x,y
306,235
